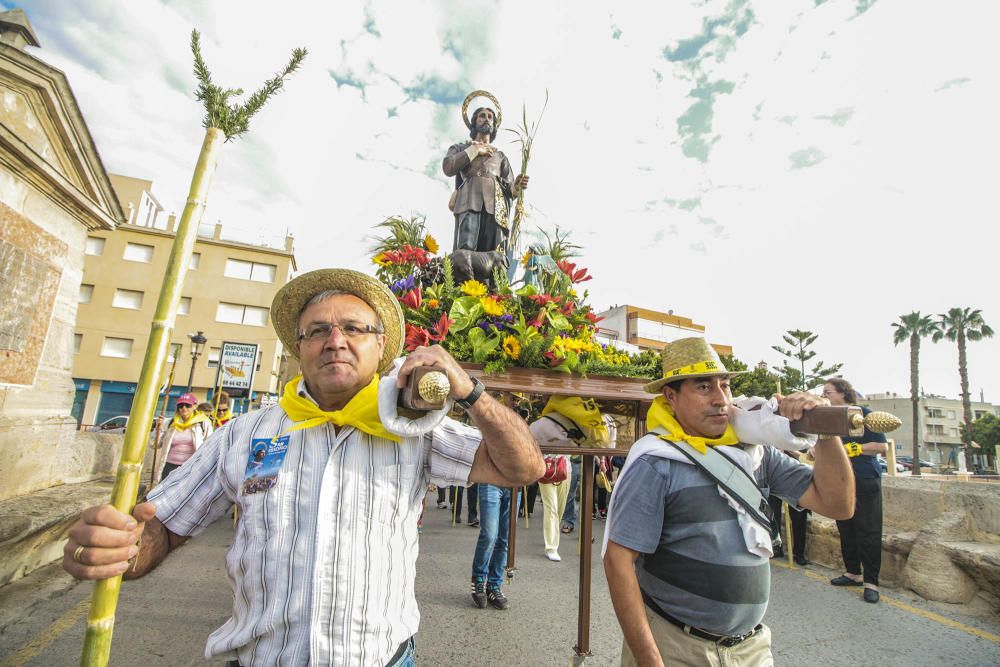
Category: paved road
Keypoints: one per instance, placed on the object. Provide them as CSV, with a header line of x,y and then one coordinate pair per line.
x,y
165,618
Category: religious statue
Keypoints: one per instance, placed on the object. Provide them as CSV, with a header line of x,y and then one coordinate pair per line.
x,y
485,186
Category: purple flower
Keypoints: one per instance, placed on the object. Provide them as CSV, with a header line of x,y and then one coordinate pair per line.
x,y
403,284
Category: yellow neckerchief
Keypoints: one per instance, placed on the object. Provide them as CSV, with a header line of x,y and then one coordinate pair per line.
x,y
584,413
220,418
662,415
361,412
196,418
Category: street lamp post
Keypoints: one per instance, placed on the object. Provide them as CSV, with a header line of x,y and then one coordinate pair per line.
x,y
198,341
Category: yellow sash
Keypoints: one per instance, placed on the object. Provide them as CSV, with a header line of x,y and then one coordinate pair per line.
x,y
219,418
583,412
196,418
361,412
662,415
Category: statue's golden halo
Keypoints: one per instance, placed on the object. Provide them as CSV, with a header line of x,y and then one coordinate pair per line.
x,y
473,95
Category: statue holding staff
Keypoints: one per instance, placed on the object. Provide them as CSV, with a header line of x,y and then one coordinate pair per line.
x,y
485,183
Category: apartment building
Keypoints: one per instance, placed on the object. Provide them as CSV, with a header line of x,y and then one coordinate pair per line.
x,y
939,428
634,328
228,288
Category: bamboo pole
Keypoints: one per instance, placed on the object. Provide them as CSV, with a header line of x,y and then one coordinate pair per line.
x,y
101,619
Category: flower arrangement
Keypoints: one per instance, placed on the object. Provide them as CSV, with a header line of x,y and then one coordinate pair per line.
x,y
544,322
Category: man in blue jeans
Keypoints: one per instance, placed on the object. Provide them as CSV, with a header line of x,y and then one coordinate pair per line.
x,y
569,514
490,561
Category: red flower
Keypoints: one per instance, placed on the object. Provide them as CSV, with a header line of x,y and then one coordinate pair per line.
x,y
416,337
542,299
418,256
570,270
552,359
568,309
411,298
440,328
537,321
594,319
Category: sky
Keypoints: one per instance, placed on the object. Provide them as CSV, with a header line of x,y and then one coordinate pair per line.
x,y
755,166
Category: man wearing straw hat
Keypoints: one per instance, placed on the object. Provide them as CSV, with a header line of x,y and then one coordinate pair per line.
x,y
687,563
323,560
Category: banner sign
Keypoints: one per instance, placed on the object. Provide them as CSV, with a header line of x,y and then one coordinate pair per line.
x,y
237,363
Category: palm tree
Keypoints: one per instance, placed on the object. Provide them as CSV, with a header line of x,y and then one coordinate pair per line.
x,y
961,324
913,327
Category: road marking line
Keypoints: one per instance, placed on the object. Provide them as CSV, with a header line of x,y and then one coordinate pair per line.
x,y
47,636
929,615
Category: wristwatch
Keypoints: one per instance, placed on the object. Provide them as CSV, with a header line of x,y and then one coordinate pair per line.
x,y
477,389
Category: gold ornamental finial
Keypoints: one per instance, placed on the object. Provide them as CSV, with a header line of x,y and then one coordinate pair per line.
x,y
877,422
434,387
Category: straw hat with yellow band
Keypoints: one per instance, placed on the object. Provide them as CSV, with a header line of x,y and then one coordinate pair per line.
x,y
689,358
292,298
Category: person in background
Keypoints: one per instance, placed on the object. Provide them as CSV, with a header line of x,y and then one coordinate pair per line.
x,y
186,433
566,421
221,413
206,409
861,535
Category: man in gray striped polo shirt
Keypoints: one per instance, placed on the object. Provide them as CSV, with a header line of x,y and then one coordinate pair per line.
x,y
688,569
328,484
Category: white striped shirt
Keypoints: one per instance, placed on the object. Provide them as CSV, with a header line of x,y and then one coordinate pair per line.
x,y
322,565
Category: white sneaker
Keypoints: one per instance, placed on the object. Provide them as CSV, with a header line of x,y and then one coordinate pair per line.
x,y
552,555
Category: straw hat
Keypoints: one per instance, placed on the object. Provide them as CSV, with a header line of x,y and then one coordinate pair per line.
x,y
689,358
292,298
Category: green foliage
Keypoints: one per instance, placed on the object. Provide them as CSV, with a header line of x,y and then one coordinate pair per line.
x,y
448,285
464,312
757,382
482,344
985,431
799,342
234,119
500,282
401,231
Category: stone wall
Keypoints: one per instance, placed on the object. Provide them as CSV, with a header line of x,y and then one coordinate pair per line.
x,y
941,539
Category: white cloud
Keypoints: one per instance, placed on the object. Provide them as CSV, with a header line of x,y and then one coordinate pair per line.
x,y
889,117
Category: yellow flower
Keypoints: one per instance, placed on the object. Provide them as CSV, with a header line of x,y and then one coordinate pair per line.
x,y
431,244
490,306
526,259
473,288
432,303
571,292
380,259
511,347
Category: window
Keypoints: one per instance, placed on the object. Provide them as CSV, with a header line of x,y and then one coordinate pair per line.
x,y
119,348
173,352
951,414
184,307
213,356
936,413
95,245
234,313
137,252
195,261
262,273
935,429
127,298
86,293
77,339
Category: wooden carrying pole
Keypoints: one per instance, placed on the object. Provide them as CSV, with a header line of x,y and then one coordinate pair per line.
x,y
101,619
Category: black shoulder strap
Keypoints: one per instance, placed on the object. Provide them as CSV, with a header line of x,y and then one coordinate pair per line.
x,y
572,431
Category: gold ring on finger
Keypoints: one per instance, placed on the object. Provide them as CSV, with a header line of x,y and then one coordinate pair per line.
x,y
78,553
